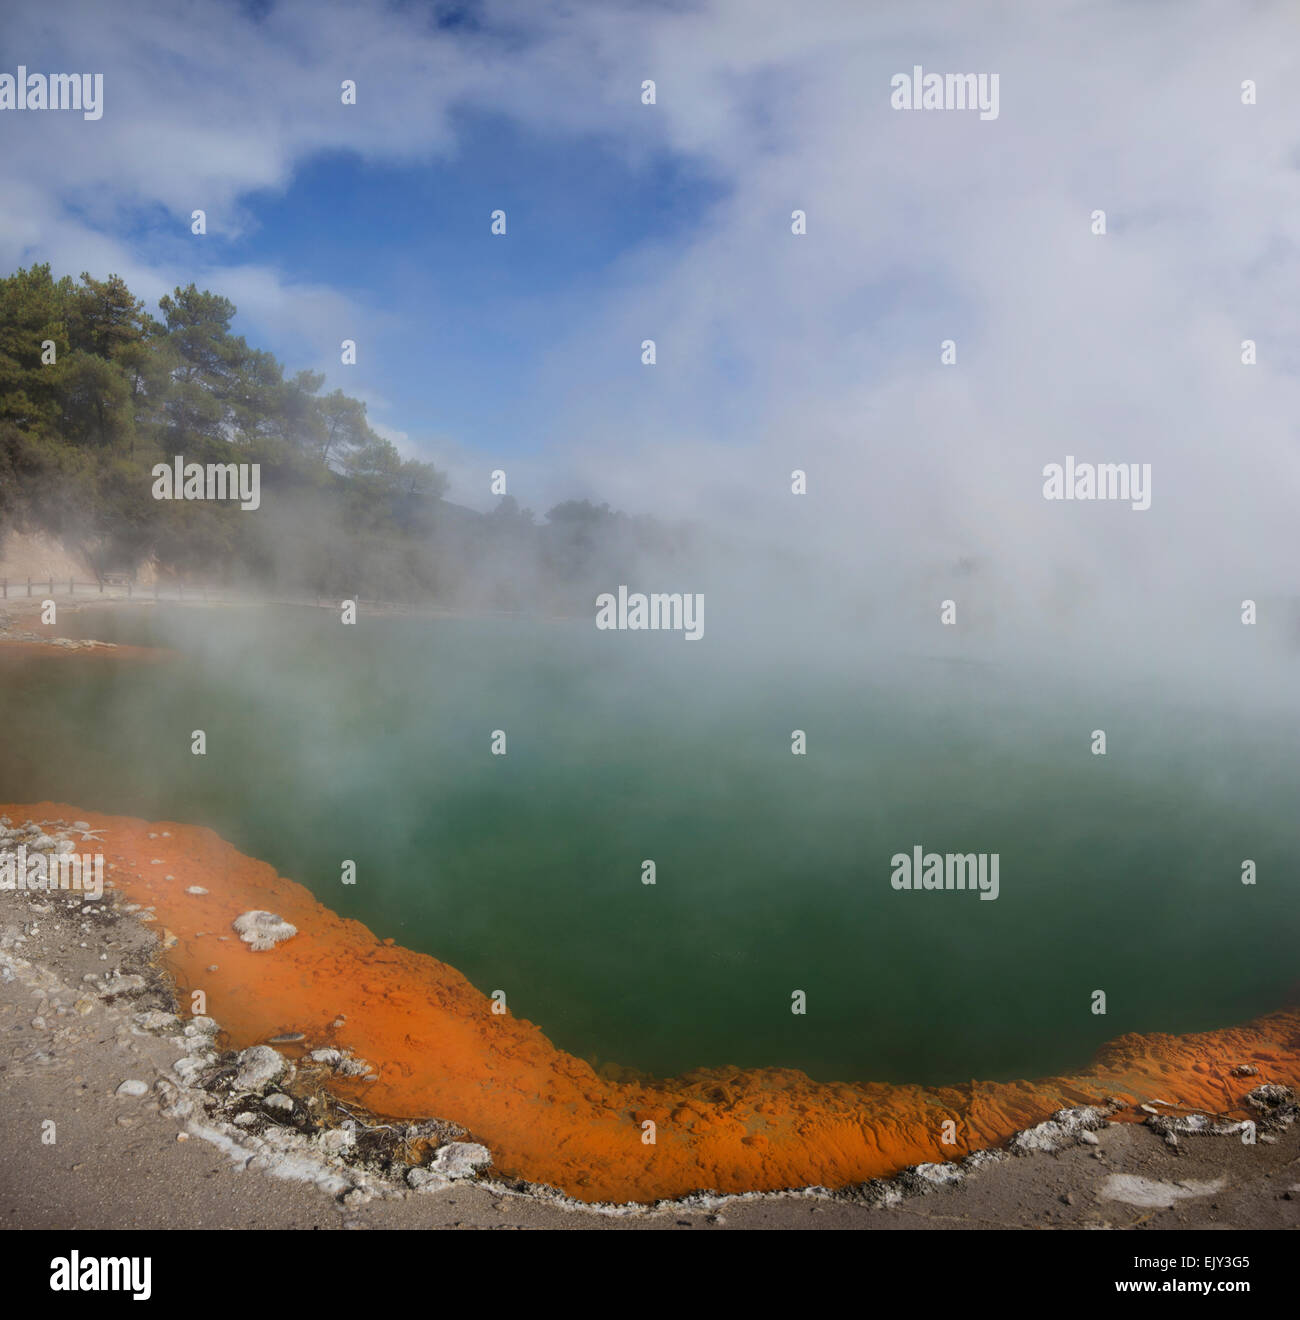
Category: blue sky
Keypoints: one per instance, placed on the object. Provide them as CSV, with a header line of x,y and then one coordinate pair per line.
x,y
371,221
465,311
673,222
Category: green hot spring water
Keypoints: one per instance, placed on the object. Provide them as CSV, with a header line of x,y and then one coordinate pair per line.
x,y
373,743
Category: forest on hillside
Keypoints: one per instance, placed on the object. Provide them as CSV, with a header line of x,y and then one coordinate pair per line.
x,y
95,390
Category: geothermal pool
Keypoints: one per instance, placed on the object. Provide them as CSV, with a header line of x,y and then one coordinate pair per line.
x,y
1119,873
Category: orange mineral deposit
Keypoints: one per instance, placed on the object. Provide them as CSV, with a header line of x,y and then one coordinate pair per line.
x,y
440,1051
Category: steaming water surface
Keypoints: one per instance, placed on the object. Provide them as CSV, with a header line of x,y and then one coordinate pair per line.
x,y
1118,873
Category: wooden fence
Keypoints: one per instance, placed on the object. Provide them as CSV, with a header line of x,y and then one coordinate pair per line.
x,y
109,588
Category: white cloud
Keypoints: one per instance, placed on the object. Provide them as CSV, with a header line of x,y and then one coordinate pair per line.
x,y
818,352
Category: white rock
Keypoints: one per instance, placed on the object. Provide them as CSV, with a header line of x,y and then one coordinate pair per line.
x,y
1270,1094
460,1159
1132,1190
1063,1129
258,1065
156,1021
925,1176
188,1068
196,889
337,1140
133,1088
263,930
980,1159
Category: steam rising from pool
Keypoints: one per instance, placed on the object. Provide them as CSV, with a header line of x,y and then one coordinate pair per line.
x,y
1119,873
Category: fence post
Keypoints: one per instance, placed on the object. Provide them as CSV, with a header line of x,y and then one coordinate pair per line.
x,y
72,587
29,586
51,586
6,588
129,585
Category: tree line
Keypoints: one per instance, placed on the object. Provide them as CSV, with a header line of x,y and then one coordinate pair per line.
x,y
95,390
